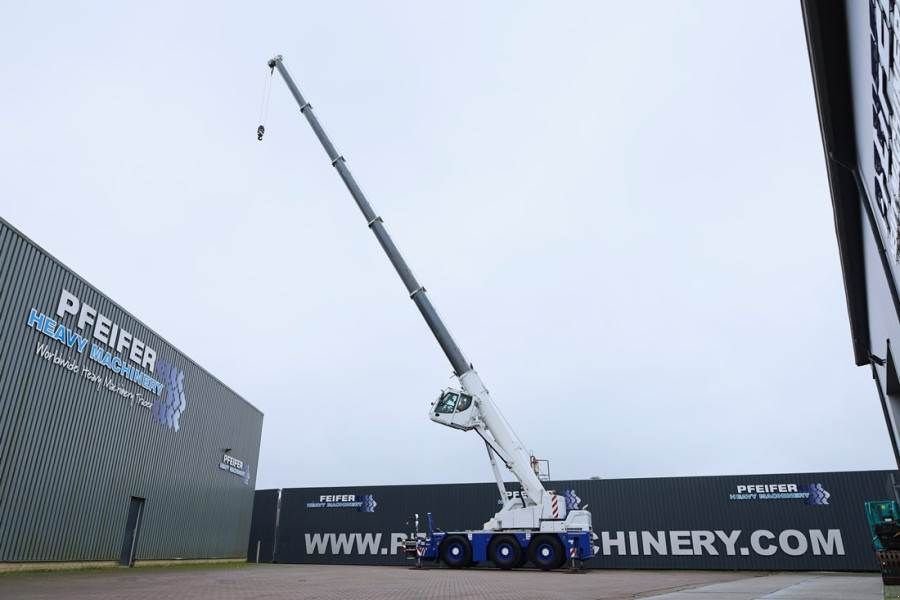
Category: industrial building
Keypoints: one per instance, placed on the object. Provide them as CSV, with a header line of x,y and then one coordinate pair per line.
x,y
855,60
113,445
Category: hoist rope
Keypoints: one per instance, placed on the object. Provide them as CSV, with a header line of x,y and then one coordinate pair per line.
x,y
264,106
267,89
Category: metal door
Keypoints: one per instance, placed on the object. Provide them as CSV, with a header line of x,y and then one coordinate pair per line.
x,y
132,527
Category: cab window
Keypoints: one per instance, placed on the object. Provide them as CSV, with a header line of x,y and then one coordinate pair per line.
x,y
465,401
447,403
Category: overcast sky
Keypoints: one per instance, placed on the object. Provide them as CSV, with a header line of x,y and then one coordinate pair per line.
x,y
620,209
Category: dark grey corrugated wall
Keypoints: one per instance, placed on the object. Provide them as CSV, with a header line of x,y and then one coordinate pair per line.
x,y
72,453
825,531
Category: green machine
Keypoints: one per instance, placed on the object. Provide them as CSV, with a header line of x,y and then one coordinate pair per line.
x,y
884,527
884,524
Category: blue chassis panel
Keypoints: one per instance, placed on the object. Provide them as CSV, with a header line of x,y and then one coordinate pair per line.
x,y
479,540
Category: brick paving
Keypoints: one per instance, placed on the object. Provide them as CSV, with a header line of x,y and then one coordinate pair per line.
x,y
320,582
792,586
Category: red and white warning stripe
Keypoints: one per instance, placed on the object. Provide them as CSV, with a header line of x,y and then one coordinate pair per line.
x,y
554,505
573,551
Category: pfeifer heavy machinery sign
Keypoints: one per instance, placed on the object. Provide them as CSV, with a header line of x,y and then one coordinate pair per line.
x,y
802,521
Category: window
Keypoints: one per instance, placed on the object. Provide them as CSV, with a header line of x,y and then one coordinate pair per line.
x,y
465,401
447,403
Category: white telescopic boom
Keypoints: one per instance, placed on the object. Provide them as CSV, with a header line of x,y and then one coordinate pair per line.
x,y
517,458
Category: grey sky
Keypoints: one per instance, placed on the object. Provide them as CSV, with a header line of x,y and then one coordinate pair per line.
x,y
620,210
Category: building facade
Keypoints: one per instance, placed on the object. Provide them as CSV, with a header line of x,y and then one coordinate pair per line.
x,y
113,445
854,51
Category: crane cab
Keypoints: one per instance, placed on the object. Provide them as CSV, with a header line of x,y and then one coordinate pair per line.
x,y
455,408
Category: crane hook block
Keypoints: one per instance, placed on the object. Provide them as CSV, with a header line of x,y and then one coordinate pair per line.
x,y
259,132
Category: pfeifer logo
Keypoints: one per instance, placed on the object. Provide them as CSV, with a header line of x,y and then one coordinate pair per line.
x,y
813,494
817,495
168,408
368,504
573,502
363,503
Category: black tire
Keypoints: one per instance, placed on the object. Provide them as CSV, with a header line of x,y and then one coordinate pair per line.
x,y
505,551
546,552
456,552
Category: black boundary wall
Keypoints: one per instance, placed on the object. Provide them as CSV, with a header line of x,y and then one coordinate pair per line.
x,y
658,523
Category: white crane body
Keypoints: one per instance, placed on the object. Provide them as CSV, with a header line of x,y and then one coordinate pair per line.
x,y
537,524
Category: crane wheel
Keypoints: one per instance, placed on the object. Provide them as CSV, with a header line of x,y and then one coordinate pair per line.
x,y
505,551
546,552
456,552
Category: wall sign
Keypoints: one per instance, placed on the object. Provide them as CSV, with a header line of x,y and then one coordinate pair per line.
x,y
90,345
236,467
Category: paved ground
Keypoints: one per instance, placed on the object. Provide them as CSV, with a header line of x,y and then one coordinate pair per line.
x,y
793,586
277,582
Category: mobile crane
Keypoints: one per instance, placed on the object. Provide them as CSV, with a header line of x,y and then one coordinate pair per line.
x,y
536,526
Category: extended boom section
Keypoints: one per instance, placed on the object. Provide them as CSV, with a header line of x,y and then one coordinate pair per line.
x,y
375,223
535,526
